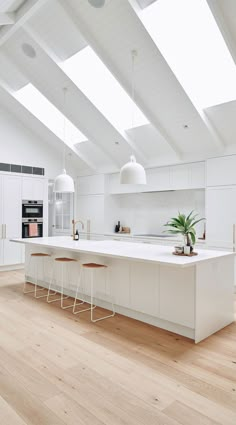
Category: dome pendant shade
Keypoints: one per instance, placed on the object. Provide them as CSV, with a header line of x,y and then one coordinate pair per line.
x,y
64,183
132,173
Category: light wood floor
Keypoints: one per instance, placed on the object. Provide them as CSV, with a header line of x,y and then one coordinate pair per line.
x,y
56,368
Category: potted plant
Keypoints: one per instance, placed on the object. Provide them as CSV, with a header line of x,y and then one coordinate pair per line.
x,y
184,225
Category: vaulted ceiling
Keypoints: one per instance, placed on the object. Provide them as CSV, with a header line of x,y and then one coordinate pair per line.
x,y
38,36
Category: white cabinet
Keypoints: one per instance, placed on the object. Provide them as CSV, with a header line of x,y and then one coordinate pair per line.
x,y
91,185
144,288
180,177
10,217
220,216
175,177
33,188
221,171
177,294
158,179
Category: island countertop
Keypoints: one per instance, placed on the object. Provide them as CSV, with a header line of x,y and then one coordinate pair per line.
x,y
125,250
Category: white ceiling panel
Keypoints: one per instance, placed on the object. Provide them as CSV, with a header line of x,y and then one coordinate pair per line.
x,y
97,156
56,31
11,75
48,78
223,119
34,125
150,141
10,5
113,31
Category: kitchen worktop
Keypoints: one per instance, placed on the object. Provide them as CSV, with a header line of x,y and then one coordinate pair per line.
x,y
125,250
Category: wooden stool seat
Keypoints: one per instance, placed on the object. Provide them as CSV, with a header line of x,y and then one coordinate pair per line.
x,y
64,259
40,254
93,265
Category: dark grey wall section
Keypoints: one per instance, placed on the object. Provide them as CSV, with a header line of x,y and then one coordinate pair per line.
x,y
15,168
4,167
25,169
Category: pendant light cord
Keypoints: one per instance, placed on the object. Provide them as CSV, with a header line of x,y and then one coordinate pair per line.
x,y
64,131
133,53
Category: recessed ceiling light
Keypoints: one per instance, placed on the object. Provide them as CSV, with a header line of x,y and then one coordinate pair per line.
x,y
28,50
97,3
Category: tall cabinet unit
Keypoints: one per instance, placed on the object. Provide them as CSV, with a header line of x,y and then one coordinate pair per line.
x,y
221,202
13,189
10,219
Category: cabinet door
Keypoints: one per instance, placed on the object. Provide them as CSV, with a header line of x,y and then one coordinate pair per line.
x,y
221,171
27,188
11,205
220,216
33,188
180,177
144,288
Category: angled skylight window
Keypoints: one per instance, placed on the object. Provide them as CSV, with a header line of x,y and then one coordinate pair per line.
x,y
48,114
93,78
189,39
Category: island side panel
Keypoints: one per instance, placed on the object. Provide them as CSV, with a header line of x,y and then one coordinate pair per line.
x,y
214,296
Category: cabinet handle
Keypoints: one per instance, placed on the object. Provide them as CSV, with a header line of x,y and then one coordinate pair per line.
x,y
5,231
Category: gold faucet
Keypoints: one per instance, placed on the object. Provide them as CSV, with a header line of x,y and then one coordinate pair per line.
x,y
74,222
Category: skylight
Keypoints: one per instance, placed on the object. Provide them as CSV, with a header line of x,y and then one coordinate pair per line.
x,y
93,78
48,114
188,37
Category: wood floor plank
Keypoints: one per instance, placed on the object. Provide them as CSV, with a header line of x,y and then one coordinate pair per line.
x,y
186,416
8,416
56,369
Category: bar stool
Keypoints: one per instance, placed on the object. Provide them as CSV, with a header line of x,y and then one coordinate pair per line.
x,y
65,261
37,256
92,267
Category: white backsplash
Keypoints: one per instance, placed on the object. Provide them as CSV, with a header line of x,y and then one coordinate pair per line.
x,y
147,212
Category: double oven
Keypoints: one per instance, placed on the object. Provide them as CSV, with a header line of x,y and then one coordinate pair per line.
x,y
32,219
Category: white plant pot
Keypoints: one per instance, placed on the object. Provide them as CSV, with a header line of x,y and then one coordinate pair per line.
x,y
186,250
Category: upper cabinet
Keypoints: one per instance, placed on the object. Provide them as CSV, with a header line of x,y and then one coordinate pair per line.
x,y
221,171
33,188
176,177
91,185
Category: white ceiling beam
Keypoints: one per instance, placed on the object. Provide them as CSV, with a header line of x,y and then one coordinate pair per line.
x,y
71,13
81,156
27,10
30,31
7,18
94,43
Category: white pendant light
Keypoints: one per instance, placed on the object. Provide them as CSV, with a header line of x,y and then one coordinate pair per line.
x,y
64,183
133,172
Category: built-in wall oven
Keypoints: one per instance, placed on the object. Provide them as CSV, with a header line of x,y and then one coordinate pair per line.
x,y
32,228
32,209
32,219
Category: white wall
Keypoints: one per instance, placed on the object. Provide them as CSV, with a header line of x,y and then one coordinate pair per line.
x,y
147,212
18,145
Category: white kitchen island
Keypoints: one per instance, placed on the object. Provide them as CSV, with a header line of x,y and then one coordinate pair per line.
x,y
191,296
